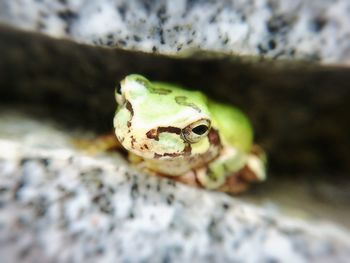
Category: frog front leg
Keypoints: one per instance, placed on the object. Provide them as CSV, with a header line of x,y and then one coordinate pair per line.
x,y
98,145
234,170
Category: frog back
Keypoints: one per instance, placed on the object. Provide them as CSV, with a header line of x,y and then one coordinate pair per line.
x,y
234,126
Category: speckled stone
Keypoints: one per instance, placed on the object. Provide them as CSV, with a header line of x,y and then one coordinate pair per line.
x,y
58,204
308,29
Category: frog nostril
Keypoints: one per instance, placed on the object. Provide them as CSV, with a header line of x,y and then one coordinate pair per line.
x,y
200,129
118,89
119,97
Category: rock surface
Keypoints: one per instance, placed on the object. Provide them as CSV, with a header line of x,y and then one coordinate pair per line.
x,y
59,204
311,30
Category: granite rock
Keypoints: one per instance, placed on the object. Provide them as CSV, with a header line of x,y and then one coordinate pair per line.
x,y
300,29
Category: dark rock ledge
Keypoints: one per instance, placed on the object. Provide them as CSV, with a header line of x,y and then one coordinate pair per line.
x,y
299,109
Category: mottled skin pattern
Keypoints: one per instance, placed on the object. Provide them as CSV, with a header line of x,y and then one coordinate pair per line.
x,y
175,132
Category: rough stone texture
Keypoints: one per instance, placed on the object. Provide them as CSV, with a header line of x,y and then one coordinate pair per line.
x,y
61,205
307,29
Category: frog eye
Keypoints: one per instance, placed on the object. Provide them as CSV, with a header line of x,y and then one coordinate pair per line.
x,y
196,131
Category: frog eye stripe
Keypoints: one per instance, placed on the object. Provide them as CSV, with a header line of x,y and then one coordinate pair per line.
x,y
154,133
214,137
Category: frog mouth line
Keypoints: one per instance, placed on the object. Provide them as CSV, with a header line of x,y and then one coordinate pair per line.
x,y
186,152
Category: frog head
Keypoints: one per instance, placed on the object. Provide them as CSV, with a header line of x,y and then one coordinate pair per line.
x,y
161,121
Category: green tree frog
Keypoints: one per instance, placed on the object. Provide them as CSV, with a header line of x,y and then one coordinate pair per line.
x,y
174,132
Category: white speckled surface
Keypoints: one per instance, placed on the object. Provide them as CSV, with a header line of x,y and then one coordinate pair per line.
x,y
59,205
308,29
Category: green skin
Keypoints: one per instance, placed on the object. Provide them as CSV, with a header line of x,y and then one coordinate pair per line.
x,y
178,132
